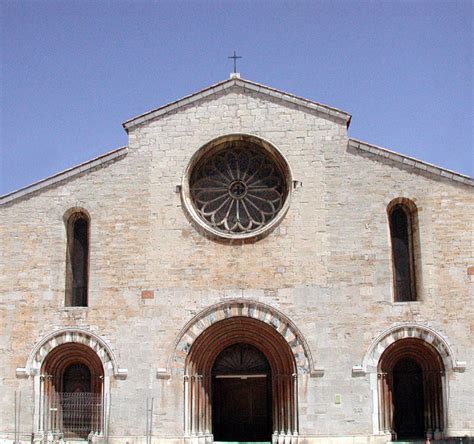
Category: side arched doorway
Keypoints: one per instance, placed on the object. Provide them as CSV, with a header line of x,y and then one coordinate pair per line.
x,y
240,384
411,390
72,392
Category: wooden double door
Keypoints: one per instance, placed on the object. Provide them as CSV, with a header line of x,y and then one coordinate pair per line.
x,y
242,408
408,400
242,395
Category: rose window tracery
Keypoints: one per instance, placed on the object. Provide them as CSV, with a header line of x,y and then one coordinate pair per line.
x,y
238,189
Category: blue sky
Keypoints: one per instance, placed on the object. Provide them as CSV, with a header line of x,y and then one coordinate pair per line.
x,y
73,71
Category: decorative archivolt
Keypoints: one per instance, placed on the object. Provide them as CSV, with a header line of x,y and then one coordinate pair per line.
x,y
246,309
76,336
403,331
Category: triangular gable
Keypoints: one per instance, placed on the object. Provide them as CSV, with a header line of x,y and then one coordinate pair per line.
x,y
251,86
246,85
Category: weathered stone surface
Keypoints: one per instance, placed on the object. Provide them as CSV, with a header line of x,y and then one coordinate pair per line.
x,y
326,267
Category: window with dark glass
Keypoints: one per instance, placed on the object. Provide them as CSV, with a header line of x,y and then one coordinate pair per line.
x,y
401,233
77,261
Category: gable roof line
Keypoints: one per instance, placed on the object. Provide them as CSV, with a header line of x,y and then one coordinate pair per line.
x,y
411,161
122,151
246,84
65,174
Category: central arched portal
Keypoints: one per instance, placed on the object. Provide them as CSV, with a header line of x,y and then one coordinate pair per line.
x,y
240,383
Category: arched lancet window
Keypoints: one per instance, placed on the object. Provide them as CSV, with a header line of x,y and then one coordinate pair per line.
x,y
402,222
77,262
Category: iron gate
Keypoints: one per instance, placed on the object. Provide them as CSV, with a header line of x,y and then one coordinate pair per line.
x,y
73,415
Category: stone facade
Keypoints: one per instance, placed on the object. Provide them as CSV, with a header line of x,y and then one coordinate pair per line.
x,y
322,278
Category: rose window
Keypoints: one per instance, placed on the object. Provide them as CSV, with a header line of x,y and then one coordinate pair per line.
x,y
238,189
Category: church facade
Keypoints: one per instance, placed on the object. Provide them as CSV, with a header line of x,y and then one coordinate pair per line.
x,y
242,271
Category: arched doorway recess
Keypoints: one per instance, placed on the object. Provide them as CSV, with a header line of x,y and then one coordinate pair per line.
x,y
410,378
204,355
42,356
71,403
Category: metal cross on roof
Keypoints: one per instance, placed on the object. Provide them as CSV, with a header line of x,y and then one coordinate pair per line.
x,y
235,57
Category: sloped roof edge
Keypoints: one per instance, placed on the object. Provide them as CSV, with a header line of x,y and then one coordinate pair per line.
x,y
410,161
66,174
246,84
353,143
